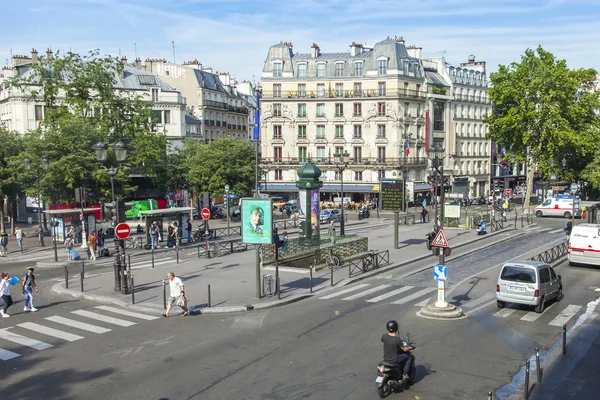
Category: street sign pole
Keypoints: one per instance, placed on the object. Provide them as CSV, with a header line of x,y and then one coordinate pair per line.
x,y
440,244
227,203
396,227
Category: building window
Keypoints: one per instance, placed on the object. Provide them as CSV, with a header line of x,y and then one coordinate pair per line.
x,y
418,91
406,132
320,131
302,154
301,90
276,131
382,67
418,110
277,109
358,89
419,132
277,70
302,110
380,154
158,116
301,70
167,116
321,154
320,90
405,88
406,110
357,132
357,110
438,116
321,70
276,90
339,89
278,175
338,175
39,112
154,94
339,109
339,69
357,151
381,131
381,88
381,108
277,153
358,68
301,131
358,175
320,109
339,131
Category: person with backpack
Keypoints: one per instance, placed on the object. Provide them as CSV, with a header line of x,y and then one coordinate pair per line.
x,y
154,231
28,284
5,293
3,244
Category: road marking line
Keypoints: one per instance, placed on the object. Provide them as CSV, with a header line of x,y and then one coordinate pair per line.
x,y
50,331
25,341
505,312
475,302
149,264
565,315
103,318
341,292
8,355
557,230
128,313
284,269
366,292
390,294
544,230
414,296
76,324
533,316
423,303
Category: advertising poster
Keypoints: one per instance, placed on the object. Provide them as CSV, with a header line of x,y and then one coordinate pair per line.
x,y
59,230
257,221
314,211
302,202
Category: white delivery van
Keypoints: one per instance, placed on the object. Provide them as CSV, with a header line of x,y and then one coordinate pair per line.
x,y
555,207
584,244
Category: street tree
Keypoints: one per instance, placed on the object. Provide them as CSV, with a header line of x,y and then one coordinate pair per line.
x,y
9,186
543,113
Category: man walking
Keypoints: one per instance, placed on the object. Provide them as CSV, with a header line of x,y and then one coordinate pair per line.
x,y
154,234
92,244
176,290
188,228
423,214
29,284
19,237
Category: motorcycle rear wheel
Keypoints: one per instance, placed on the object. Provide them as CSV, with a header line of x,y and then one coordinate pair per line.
x,y
384,390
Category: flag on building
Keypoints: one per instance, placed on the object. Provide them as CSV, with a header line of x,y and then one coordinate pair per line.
x,y
406,147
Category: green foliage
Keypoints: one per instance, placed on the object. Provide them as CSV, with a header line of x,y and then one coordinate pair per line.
x,y
439,90
11,144
208,167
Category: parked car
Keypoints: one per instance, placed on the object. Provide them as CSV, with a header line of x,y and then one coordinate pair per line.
x,y
330,214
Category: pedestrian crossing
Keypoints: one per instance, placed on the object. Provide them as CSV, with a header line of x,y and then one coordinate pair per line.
x,y
69,328
371,293
542,229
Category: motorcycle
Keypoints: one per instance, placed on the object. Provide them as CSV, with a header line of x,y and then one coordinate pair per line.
x,y
389,374
481,228
203,234
364,213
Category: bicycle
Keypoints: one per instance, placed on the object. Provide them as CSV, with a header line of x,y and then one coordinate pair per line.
x,y
333,259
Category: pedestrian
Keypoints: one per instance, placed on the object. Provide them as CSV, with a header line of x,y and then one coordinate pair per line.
x,y
3,244
71,232
5,293
28,284
69,247
170,235
19,236
154,230
423,214
331,228
284,241
92,244
188,229
176,294
174,234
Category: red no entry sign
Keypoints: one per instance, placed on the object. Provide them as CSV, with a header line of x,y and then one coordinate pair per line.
x,y
508,192
205,214
122,231
431,190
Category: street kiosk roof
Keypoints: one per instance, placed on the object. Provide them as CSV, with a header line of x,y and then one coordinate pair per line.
x,y
70,211
166,211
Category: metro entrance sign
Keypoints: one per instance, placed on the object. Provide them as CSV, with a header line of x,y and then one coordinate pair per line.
x,y
122,231
205,214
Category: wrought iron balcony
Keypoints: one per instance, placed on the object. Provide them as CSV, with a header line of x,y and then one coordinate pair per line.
x,y
349,94
362,162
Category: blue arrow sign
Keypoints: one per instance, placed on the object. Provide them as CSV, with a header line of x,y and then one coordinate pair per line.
x,y
440,272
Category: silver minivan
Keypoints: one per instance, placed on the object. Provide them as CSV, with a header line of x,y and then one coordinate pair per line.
x,y
531,283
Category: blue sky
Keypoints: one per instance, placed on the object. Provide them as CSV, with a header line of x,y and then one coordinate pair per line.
x,y
234,35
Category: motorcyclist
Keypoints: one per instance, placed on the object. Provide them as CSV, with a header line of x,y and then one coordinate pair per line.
x,y
395,349
482,226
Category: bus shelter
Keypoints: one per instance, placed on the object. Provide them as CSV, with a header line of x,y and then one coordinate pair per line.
x,y
166,216
62,217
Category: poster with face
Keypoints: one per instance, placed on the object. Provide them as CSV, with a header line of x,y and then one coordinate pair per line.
x,y
314,210
257,221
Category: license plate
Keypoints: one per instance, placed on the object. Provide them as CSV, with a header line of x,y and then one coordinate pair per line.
x,y
577,252
517,288
379,379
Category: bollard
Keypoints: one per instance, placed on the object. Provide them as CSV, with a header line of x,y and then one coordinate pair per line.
x,y
164,295
526,388
207,250
332,275
521,220
209,302
349,271
81,278
129,262
490,396
83,269
153,258
310,278
278,288
66,276
564,339
537,365
198,251
177,251
515,221
132,290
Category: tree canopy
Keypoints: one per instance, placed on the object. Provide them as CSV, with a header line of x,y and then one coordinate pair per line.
x,y
543,113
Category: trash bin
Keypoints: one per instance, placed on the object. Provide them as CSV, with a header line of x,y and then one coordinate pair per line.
x,y
268,284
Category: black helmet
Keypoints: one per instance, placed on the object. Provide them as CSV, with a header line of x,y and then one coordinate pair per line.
x,y
392,326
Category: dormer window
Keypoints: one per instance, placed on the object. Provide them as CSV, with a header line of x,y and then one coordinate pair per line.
x,y
339,68
302,70
321,68
382,65
358,68
277,68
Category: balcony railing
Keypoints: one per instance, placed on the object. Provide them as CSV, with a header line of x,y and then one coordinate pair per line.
x,y
361,162
240,110
215,104
349,94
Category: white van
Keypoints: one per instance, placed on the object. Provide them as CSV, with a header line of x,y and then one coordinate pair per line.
x,y
584,244
555,207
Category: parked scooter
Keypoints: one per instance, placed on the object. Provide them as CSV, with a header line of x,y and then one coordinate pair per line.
x,y
481,228
203,234
389,374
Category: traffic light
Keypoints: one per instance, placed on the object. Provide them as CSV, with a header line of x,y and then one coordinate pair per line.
x,y
121,211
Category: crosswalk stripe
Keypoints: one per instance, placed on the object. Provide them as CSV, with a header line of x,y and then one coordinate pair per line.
x,y
7,355
544,230
530,316
565,315
128,313
390,294
103,318
50,331
505,312
557,231
423,303
76,324
475,302
341,292
366,292
156,263
414,296
25,341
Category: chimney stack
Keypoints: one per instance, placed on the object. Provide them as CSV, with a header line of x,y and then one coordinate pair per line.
x,y
49,54
355,49
124,60
34,56
316,52
414,51
471,59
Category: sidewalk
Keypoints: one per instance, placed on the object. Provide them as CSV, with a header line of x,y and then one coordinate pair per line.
x,y
232,278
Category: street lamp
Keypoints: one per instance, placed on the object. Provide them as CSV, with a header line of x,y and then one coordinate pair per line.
x,y
227,205
341,164
38,172
120,155
438,169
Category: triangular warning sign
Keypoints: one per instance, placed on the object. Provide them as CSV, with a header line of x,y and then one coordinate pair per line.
x,y
440,240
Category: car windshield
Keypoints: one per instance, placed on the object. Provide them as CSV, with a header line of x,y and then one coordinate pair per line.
x,y
547,202
518,274
325,212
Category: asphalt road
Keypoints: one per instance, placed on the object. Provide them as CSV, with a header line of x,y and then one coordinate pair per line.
x,y
326,347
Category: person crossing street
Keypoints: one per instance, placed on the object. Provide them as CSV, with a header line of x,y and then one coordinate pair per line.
x,y
28,284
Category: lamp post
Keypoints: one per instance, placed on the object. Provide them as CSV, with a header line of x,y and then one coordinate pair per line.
x,y
120,155
438,170
38,172
379,176
341,164
574,188
227,203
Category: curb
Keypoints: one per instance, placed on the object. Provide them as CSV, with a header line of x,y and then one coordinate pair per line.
x,y
100,299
